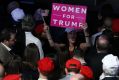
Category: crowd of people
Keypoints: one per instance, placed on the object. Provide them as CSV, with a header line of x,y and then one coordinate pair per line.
x,y
30,49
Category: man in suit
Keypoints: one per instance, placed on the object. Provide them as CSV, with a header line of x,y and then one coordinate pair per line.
x,y
95,56
7,39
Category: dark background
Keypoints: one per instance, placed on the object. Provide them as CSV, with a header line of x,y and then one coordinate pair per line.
x,y
30,6
92,4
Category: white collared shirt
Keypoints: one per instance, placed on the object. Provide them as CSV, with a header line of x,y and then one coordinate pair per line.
x,y
30,38
9,49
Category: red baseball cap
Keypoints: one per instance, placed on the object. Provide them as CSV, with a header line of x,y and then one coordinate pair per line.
x,y
73,63
87,72
46,65
12,77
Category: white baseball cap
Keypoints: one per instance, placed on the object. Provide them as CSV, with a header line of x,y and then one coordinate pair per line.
x,y
17,14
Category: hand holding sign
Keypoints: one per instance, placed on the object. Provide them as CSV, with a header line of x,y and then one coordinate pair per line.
x,y
84,26
85,29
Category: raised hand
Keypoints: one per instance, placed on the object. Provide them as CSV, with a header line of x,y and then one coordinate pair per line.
x,y
46,27
85,26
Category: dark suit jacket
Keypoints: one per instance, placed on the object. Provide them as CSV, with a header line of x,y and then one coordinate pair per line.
x,y
5,56
20,44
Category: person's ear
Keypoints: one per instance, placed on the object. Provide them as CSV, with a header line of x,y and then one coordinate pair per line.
x,y
38,69
66,71
20,77
6,42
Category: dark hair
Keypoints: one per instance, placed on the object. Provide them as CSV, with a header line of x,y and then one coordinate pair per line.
x,y
13,67
77,42
79,54
73,70
48,74
6,34
12,5
31,54
28,23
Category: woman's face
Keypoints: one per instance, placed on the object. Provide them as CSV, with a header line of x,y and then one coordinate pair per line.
x,y
72,36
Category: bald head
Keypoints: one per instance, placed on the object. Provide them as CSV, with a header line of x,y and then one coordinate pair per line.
x,y
102,43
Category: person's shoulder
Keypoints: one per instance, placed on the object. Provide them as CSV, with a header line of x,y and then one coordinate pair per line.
x,y
96,34
1,45
2,48
33,38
